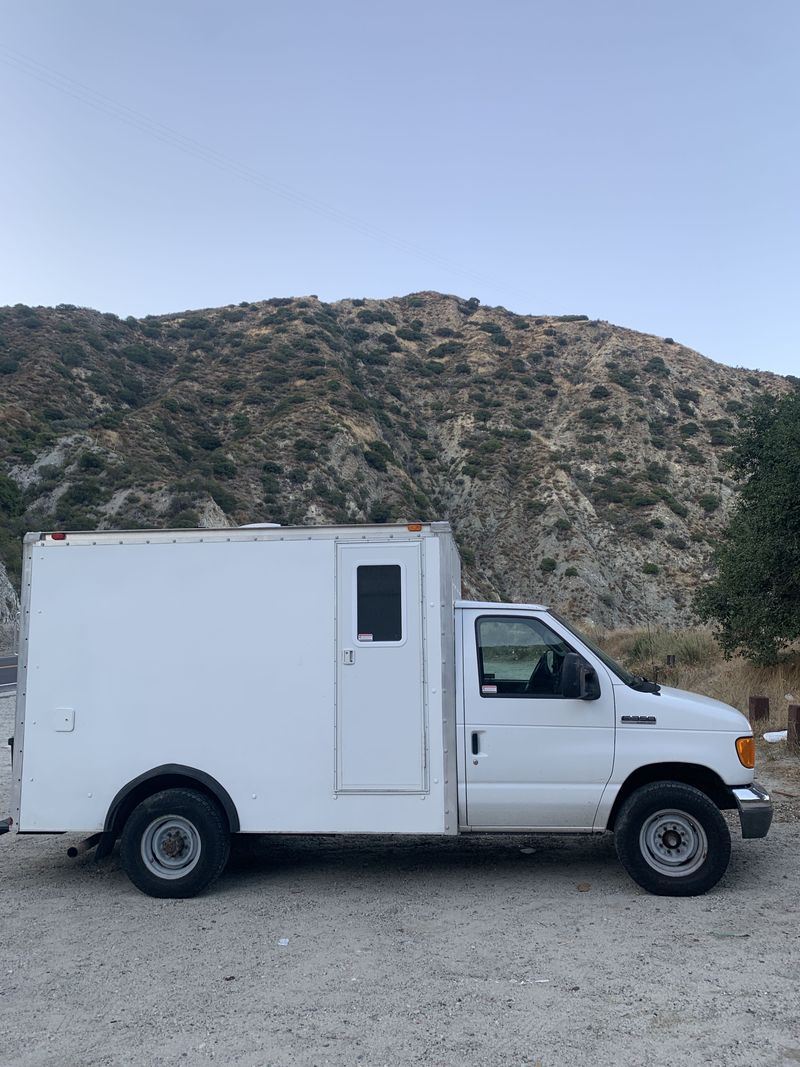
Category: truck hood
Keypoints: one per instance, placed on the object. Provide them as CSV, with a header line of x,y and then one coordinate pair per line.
x,y
678,709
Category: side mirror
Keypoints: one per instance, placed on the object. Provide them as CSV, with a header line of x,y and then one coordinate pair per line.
x,y
578,679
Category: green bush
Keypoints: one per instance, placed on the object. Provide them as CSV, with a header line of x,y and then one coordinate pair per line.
x,y
675,506
708,502
649,568
378,455
625,378
571,572
547,565
379,512
91,461
657,366
226,500
222,467
447,348
207,440
185,519
379,315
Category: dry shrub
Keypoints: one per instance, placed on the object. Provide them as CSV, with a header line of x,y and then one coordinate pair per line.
x,y
701,667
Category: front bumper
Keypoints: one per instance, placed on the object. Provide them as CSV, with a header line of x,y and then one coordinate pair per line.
x,y
755,809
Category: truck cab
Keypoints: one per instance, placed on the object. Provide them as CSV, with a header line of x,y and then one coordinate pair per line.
x,y
555,736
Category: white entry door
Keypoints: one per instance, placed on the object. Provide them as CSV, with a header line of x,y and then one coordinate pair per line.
x,y
534,759
380,713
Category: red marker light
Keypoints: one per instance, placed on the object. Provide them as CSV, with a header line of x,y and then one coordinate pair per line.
x,y
58,536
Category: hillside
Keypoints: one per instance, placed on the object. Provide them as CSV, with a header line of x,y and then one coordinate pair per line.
x,y
579,462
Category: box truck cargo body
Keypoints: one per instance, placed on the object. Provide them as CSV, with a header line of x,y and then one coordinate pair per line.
x,y
302,671
179,686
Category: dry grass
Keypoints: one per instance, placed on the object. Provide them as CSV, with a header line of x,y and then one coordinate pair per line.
x,y
701,667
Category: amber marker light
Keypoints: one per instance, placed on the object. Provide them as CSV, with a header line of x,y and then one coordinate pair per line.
x,y
746,750
414,527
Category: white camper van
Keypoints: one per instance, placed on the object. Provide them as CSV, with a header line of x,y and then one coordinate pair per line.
x,y
177,687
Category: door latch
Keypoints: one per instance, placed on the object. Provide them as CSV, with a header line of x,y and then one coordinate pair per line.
x,y
348,656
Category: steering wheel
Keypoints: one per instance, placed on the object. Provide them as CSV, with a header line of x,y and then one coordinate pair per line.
x,y
545,679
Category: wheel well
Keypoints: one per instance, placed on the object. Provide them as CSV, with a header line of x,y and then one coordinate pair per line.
x,y
702,778
168,776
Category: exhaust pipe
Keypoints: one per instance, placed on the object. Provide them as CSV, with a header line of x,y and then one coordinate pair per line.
x,y
83,846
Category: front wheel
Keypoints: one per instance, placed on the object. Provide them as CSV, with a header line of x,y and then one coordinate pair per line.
x,y
672,839
175,843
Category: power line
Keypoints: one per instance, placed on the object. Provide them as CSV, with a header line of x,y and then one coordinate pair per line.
x,y
188,145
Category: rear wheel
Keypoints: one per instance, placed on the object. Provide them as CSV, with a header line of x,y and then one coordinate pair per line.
x,y
672,839
175,843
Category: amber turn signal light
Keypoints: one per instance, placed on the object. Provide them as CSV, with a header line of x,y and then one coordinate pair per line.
x,y
414,527
746,750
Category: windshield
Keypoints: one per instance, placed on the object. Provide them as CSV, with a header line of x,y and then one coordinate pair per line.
x,y
617,668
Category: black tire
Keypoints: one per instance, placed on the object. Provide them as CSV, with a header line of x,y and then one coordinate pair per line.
x,y
175,843
672,839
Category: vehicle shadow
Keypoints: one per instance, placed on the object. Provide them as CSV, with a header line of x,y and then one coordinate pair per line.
x,y
377,857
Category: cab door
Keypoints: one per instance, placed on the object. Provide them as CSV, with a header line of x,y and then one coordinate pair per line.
x,y
534,759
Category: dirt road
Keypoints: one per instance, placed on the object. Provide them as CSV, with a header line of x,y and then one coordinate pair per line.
x,y
463,952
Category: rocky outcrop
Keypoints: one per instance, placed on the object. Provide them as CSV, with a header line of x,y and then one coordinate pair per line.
x,y
9,608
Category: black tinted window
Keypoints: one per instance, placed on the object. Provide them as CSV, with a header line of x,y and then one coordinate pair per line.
x,y
380,616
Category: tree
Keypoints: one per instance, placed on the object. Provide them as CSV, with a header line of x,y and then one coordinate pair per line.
x,y
754,601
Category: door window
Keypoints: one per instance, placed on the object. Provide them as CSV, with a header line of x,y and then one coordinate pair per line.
x,y
519,658
379,603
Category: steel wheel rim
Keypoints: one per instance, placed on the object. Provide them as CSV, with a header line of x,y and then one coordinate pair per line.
x,y
673,843
171,847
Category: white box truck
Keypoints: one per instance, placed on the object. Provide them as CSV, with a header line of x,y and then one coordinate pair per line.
x,y
179,686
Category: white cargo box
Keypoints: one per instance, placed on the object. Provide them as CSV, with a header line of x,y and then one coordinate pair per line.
x,y
307,675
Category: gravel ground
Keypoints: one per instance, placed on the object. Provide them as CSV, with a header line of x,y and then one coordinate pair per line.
x,y
493,951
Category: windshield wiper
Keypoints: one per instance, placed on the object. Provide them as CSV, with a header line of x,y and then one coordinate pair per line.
x,y
644,685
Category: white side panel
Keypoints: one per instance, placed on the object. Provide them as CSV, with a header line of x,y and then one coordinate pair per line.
x,y
217,655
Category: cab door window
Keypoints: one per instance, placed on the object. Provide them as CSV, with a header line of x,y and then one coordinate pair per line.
x,y
518,658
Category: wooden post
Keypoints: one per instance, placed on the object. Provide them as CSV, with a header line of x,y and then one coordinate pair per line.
x,y
758,710
793,731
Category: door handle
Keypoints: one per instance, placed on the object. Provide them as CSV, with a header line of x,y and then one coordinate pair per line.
x,y
348,656
476,745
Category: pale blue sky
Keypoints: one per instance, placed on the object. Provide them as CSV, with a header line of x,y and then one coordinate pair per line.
x,y
631,161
